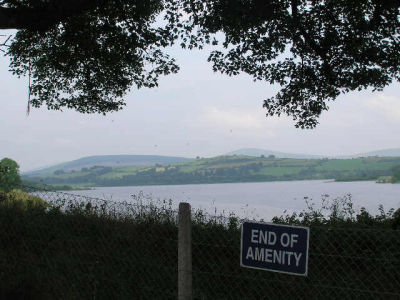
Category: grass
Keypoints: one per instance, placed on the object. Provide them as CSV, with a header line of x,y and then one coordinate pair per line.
x,y
279,171
356,164
85,252
120,172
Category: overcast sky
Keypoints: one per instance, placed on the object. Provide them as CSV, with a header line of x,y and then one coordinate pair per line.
x,y
193,113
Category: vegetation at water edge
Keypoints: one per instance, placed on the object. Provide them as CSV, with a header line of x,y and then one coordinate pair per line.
x,y
70,249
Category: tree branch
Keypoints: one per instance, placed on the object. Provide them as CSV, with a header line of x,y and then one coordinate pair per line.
x,y
4,44
42,18
308,39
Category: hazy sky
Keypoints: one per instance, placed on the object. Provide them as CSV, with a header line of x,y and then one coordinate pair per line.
x,y
193,113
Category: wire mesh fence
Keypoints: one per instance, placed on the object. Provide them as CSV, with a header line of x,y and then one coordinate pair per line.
x,y
85,248
78,247
343,264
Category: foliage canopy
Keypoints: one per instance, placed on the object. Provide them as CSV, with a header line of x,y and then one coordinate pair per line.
x,y
9,175
86,54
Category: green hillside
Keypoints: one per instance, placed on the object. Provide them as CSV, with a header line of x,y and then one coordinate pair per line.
x,y
258,152
227,169
395,152
108,161
383,153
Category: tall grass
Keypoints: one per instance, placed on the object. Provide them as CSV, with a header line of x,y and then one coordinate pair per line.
x,y
94,249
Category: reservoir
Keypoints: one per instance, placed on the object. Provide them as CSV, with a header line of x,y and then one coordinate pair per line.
x,y
260,200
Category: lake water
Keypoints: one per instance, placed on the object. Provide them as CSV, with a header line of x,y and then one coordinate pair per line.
x,y
261,199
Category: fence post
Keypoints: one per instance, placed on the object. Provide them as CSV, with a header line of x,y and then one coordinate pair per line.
x,y
184,252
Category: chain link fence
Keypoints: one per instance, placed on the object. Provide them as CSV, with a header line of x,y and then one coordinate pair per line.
x,y
344,263
84,248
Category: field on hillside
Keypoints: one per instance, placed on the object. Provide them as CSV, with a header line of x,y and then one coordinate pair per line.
x,y
226,169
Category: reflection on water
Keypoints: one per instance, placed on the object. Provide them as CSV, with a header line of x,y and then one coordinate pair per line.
x,y
259,200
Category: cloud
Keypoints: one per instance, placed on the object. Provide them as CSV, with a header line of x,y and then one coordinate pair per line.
x,y
233,119
63,142
244,119
387,106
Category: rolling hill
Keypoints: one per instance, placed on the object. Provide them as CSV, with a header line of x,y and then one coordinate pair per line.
x,y
225,169
395,152
258,152
151,160
108,161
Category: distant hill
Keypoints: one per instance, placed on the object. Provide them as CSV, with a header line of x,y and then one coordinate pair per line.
x,y
109,161
395,152
381,153
117,161
258,152
224,169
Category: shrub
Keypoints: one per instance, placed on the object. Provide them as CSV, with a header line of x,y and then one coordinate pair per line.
x,y
340,212
22,200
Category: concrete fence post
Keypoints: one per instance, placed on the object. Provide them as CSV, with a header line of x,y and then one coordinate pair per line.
x,y
184,252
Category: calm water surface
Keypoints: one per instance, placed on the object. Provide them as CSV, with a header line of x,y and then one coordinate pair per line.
x,y
261,199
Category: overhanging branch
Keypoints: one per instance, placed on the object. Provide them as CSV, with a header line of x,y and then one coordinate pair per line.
x,y
4,43
43,17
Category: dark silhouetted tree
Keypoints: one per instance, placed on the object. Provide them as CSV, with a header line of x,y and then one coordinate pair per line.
x,y
86,54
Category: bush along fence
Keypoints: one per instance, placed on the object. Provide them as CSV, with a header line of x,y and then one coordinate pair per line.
x,y
74,247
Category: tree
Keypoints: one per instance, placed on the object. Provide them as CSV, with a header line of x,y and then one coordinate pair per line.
x,y
315,50
9,175
396,174
86,54
59,172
